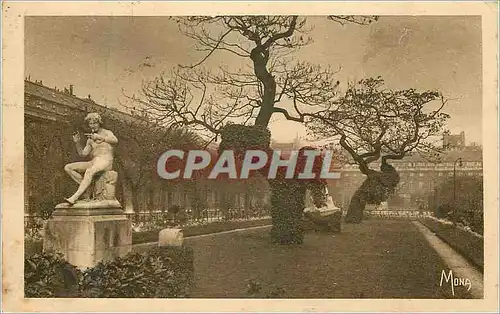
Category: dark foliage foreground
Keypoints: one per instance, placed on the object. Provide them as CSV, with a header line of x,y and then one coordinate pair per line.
x,y
164,272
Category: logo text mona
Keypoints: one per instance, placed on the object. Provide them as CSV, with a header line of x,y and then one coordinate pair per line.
x,y
454,281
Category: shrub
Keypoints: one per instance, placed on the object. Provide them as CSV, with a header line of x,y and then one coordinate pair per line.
x,y
174,209
242,137
461,200
164,272
442,211
32,247
477,224
34,226
49,276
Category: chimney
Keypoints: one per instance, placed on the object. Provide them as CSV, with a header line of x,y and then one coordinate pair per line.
x,y
71,89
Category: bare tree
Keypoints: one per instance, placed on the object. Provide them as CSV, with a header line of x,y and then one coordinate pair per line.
x,y
206,100
373,123
268,80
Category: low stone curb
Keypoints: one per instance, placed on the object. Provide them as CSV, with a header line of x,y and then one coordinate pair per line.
x,y
144,247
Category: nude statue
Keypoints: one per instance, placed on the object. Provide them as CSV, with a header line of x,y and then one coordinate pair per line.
x,y
99,146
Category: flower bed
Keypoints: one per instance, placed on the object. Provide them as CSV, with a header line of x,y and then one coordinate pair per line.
x,y
150,221
395,214
163,272
460,238
457,225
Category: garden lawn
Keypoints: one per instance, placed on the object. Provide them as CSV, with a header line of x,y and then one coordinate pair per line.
x,y
375,259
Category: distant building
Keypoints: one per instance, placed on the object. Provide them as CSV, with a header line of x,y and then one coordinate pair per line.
x,y
454,141
418,176
295,145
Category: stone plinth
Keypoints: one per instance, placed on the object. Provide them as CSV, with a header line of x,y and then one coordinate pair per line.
x,y
98,199
85,240
89,208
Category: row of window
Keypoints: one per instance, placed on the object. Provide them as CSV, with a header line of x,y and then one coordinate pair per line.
x,y
421,174
471,164
443,164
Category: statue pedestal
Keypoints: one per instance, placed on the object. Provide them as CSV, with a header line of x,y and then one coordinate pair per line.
x,y
85,240
90,231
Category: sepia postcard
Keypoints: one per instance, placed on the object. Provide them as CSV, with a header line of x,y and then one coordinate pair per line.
x,y
250,156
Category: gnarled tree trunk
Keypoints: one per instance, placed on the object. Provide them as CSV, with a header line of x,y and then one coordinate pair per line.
x,y
356,207
376,188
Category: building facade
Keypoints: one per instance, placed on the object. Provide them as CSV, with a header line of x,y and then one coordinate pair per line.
x,y
418,176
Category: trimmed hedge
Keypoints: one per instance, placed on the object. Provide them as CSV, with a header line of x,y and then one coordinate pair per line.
x,y
287,207
465,243
287,194
163,272
242,137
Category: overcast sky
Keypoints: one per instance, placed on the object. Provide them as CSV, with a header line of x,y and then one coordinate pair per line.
x,y
102,56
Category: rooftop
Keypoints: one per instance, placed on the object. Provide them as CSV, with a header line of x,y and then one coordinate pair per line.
x,y
66,98
448,156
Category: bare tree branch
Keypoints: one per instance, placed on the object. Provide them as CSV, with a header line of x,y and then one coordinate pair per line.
x,y
206,100
356,19
382,123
